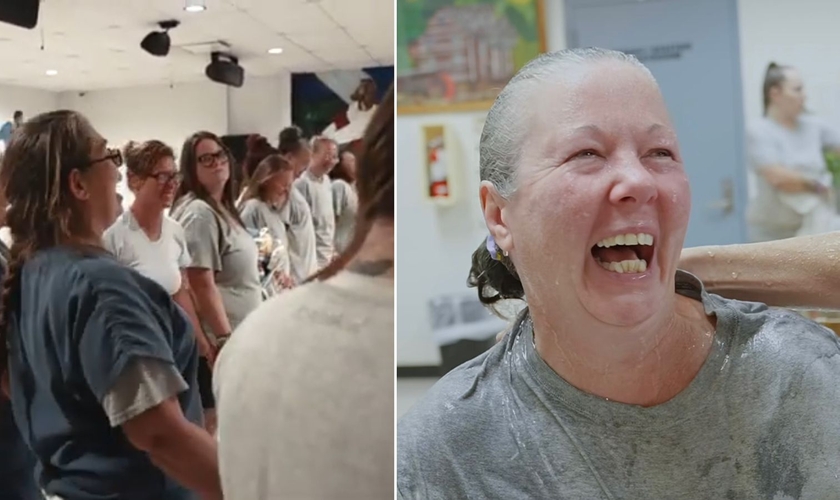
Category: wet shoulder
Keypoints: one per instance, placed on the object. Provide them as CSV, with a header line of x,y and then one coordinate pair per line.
x,y
780,341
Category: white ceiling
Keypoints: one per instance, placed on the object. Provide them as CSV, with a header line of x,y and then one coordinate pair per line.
x,y
95,44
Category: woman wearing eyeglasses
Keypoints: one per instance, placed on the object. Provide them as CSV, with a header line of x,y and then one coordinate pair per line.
x,y
101,364
223,274
151,243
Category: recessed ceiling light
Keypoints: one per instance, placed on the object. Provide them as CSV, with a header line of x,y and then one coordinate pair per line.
x,y
194,6
275,50
52,72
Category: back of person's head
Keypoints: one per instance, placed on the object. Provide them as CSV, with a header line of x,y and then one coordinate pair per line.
x,y
342,170
190,184
258,149
774,77
291,140
141,158
374,182
365,93
35,177
18,115
500,148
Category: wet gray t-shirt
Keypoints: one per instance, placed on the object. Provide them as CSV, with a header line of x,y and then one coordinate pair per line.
x,y
760,421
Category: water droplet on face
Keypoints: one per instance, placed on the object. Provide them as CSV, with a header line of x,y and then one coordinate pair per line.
x,y
734,275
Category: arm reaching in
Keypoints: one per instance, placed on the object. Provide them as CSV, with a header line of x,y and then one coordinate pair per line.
x,y
796,272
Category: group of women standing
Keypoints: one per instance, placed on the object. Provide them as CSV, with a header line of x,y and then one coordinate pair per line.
x,y
113,327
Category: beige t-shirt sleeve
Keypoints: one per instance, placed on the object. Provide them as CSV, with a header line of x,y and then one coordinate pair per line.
x,y
144,384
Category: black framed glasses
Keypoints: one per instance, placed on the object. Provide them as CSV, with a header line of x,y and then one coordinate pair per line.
x,y
163,178
115,155
210,159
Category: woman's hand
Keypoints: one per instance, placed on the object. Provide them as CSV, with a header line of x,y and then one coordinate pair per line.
x,y
283,280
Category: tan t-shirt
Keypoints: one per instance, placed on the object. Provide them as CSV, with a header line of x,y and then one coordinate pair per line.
x,y
305,392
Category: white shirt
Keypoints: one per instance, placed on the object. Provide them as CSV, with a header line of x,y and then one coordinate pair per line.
x,y
161,260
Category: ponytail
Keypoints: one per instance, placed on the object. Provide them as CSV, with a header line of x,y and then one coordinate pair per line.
x,y
495,279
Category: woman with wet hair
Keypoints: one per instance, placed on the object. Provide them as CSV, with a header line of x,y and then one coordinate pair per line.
x,y
101,361
223,273
292,406
622,377
345,199
786,150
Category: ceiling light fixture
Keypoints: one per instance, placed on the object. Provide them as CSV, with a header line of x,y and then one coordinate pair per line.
x,y
52,72
275,50
194,6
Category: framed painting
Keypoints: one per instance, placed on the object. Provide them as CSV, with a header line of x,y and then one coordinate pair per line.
x,y
455,55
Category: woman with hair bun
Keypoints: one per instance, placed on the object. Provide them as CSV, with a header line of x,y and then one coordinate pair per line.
x,y
622,377
786,150
295,148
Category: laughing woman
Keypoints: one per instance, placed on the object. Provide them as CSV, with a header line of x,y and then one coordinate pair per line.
x,y
623,378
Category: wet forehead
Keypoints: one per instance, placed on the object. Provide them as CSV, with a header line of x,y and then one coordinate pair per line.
x,y
612,99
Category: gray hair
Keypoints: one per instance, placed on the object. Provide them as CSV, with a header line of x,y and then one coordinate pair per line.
x,y
501,141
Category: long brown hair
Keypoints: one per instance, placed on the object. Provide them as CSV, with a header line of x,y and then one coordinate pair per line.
x,y
270,166
191,185
35,176
375,182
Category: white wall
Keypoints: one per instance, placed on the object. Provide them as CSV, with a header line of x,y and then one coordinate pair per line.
x,y
161,112
173,113
30,101
261,106
434,244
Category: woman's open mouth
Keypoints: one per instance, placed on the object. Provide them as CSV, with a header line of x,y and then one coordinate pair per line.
x,y
625,253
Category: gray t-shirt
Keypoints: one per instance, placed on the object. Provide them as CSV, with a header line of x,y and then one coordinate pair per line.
x,y
226,248
257,214
292,224
318,194
771,144
759,421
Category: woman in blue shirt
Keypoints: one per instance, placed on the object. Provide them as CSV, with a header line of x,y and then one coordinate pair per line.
x,y
101,363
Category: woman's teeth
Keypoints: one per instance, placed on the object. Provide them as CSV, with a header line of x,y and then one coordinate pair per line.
x,y
626,239
625,266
